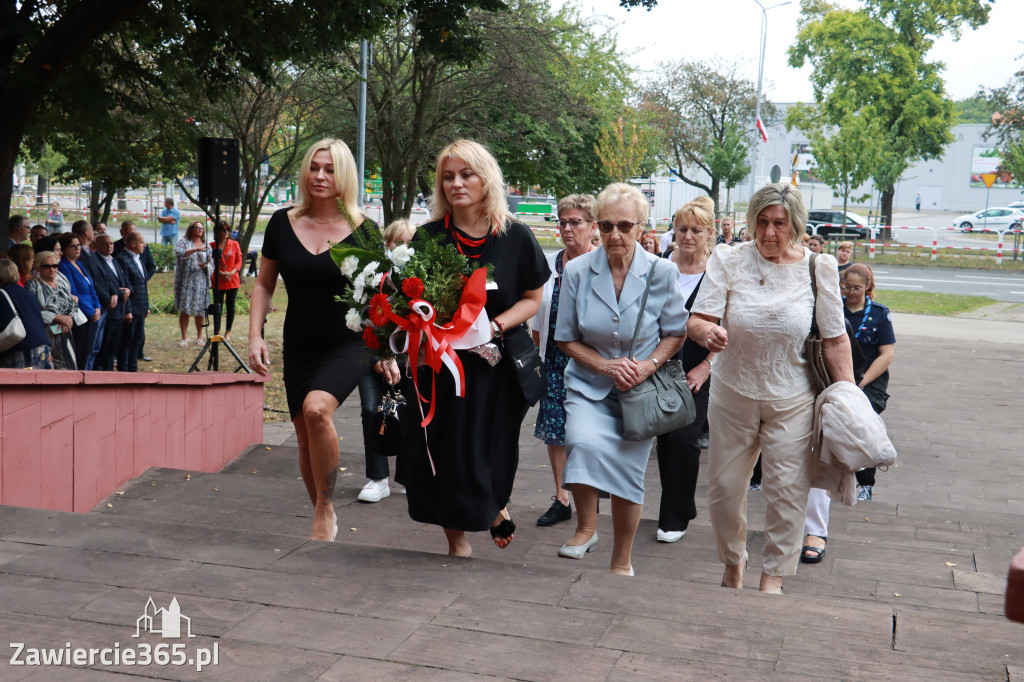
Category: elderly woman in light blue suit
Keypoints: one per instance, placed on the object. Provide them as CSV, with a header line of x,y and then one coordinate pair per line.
x,y
598,312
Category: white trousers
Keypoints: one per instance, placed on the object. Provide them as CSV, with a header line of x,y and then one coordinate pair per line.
x,y
818,503
780,430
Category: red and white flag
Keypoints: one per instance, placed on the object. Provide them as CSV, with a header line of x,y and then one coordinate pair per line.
x,y
762,130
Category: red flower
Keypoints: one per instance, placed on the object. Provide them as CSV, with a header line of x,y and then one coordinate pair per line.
x,y
379,309
370,339
413,287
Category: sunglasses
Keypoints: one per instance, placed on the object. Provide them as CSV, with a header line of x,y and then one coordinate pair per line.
x,y
574,224
48,267
623,227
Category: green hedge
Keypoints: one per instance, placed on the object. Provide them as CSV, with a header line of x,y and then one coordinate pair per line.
x,y
163,256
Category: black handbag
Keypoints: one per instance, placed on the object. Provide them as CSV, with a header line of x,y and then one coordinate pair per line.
x,y
660,403
387,422
519,348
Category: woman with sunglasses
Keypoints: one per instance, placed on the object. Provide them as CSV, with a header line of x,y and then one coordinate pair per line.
x,y
58,305
600,303
575,224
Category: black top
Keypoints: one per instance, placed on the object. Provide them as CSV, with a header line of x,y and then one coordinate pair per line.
x,y
692,353
519,263
314,321
872,332
30,313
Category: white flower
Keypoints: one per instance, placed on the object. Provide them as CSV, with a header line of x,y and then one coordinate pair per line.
x,y
370,268
375,282
353,320
349,265
401,254
357,288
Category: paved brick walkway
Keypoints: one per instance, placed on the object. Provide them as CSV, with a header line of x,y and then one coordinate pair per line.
x,y
911,587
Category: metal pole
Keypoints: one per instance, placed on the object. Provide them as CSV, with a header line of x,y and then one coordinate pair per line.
x,y
757,111
760,75
364,58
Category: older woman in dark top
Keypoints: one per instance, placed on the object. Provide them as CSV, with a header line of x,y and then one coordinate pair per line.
x,y
34,350
82,287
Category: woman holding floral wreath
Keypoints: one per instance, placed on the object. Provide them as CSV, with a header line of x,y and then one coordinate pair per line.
x,y
323,358
473,441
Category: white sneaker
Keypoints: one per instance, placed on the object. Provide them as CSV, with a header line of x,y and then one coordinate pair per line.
x,y
374,491
670,535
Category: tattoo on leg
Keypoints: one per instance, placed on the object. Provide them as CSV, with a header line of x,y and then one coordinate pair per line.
x,y
332,478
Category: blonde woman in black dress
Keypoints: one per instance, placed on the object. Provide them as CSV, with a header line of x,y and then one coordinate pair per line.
x,y
323,358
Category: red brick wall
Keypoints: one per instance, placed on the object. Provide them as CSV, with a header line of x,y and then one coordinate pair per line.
x,y
69,439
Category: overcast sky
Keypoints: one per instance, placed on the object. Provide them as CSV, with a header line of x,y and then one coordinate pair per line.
x,y
731,29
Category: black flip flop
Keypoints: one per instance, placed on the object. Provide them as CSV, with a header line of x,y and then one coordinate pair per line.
x,y
503,531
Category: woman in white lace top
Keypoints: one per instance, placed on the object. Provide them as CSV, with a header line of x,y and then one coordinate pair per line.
x,y
754,310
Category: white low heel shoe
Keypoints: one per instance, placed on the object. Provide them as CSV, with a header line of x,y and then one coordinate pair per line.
x,y
577,551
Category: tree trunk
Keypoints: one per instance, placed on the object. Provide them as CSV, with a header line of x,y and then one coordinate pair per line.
x,y
94,201
715,188
888,193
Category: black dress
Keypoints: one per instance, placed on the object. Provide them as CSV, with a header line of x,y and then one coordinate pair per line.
x,y
474,440
678,452
320,352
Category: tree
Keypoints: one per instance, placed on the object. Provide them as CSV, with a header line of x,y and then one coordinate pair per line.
x,y
49,46
519,89
728,160
1007,124
274,119
623,147
874,60
698,107
845,157
975,109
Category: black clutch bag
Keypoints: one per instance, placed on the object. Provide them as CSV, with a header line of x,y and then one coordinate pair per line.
x,y
387,422
519,348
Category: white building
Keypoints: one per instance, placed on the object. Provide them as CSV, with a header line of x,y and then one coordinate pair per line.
x,y
952,183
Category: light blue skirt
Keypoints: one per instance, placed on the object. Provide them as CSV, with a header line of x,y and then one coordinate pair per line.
x,y
598,455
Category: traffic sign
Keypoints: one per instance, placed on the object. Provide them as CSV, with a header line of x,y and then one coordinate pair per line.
x,y
989,179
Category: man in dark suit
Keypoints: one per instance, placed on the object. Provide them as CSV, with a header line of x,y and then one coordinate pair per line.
x,y
116,280
138,303
17,230
150,265
94,268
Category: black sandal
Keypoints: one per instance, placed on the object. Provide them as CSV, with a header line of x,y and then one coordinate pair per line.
x,y
818,553
502,533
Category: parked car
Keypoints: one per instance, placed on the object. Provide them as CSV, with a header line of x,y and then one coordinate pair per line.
x,y
831,222
993,219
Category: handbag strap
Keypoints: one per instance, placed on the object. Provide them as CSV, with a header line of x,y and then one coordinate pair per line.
x,y
814,295
643,304
10,303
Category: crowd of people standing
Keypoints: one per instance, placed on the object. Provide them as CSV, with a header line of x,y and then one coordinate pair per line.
x,y
87,296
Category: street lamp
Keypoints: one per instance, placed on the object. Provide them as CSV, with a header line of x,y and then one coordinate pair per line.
x,y
760,73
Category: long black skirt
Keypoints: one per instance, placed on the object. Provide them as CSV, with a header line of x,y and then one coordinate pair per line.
x,y
474,443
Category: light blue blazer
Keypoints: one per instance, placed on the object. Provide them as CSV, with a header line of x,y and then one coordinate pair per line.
x,y
589,312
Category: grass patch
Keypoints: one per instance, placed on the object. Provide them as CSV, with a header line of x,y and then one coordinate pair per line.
x,y
163,337
923,303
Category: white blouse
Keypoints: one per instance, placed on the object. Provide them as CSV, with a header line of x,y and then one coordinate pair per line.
x,y
767,324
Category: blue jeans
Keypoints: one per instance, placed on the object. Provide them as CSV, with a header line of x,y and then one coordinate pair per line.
x,y
371,388
169,239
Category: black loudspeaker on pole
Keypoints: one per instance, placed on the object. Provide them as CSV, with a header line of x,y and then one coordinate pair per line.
x,y
218,171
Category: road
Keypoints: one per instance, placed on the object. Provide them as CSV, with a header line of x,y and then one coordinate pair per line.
x,y
997,285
